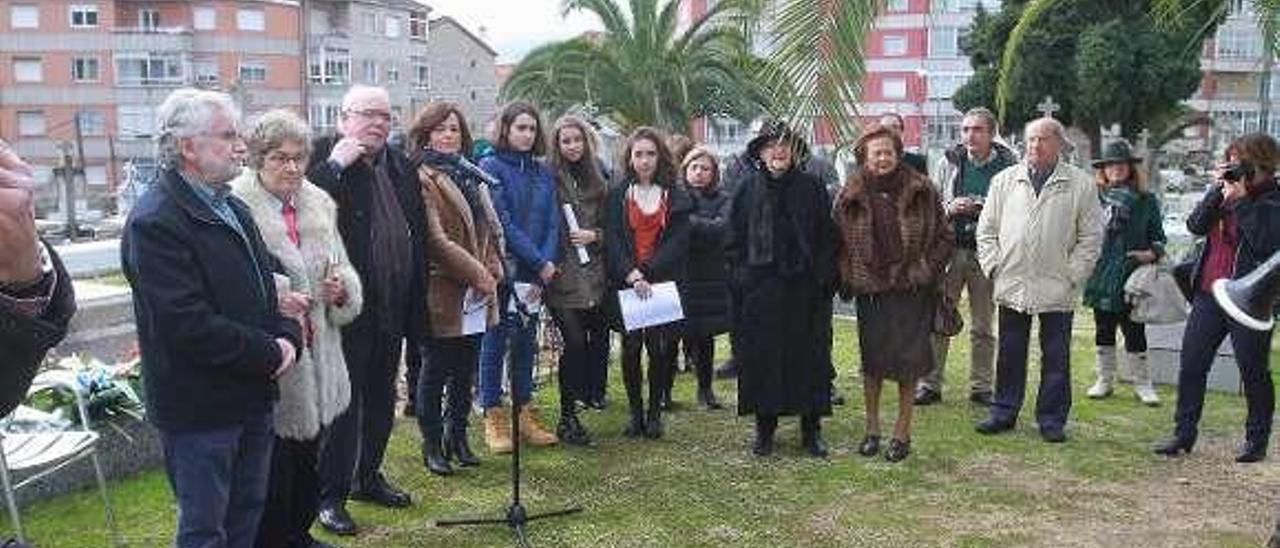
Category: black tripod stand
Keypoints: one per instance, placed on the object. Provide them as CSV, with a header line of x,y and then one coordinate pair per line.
x,y
516,516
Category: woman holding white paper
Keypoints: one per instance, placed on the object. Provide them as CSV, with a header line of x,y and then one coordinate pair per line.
x,y
781,252
464,242
575,295
647,242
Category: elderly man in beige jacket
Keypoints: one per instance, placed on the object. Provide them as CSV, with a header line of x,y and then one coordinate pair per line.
x,y
1038,237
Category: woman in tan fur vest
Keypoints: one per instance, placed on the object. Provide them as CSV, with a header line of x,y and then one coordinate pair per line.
x,y
895,245
299,225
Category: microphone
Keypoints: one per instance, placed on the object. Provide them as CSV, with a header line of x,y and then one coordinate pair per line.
x,y
480,173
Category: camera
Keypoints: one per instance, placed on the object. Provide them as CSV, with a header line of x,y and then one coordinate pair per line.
x,y
1239,173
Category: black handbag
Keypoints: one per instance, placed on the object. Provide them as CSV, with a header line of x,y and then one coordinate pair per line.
x,y
1184,271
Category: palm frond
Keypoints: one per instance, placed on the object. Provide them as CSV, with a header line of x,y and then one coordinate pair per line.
x,y
1030,16
816,67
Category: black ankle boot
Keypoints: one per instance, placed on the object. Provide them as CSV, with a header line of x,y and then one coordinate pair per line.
x,y
763,445
635,428
458,448
707,398
570,429
433,457
811,437
653,424
1252,451
1173,446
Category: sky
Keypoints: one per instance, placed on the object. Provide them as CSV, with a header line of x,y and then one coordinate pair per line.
x,y
513,27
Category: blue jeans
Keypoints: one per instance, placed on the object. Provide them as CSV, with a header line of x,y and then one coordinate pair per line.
x,y
1053,401
523,340
219,479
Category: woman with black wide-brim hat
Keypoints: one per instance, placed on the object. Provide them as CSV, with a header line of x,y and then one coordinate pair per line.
x,y
1135,236
781,252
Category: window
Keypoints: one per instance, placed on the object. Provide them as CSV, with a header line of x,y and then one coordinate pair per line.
x,y
205,18
944,6
24,17
391,27
31,123
1233,44
330,66
369,23
95,175
84,69
136,121
943,130
253,72
324,117
393,73
148,19
894,88
148,69
894,45
421,72
27,70
84,16
251,20
92,124
418,25
204,70
944,42
370,70
893,6
944,86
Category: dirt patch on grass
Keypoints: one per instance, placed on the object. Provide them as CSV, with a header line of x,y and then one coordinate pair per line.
x,y
1197,500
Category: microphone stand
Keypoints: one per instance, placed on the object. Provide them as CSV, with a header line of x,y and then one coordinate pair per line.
x,y
516,516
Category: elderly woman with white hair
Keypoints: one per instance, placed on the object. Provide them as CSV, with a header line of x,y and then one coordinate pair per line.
x,y
298,222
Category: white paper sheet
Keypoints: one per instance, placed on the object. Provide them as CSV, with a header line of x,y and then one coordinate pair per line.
x,y
531,305
474,313
662,307
571,220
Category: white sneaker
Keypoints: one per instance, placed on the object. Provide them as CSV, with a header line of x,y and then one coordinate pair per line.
x,y
1146,394
1100,389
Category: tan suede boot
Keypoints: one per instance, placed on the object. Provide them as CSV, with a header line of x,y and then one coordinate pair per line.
x,y
497,430
531,429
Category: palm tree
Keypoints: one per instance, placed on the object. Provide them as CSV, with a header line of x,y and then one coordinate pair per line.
x,y
642,69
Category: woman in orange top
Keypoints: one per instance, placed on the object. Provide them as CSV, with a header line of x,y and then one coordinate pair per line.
x,y
646,242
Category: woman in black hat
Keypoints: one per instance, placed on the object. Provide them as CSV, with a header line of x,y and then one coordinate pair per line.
x,y
780,248
1135,236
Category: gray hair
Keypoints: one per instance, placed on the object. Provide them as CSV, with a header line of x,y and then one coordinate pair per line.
x,y
358,90
1054,125
272,130
186,113
986,116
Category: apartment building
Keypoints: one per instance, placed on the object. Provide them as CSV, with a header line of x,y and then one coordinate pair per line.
x,y
463,71
104,65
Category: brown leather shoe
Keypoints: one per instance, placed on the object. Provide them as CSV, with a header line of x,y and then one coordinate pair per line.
x,y
497,430
531,429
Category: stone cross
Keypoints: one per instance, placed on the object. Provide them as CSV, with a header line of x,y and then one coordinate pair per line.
x,y
1047,107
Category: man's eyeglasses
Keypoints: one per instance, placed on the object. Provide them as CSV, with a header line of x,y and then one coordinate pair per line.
x,y
372,114
229,135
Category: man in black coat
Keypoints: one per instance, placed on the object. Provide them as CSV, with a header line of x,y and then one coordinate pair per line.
x,y
381,219
36,299
212,337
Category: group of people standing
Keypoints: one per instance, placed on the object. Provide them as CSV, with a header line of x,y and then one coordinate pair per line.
x,y
274,303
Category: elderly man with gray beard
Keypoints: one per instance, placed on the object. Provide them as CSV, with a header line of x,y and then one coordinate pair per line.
x,y
212,337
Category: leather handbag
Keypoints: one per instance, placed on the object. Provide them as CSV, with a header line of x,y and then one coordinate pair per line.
x,y
946,317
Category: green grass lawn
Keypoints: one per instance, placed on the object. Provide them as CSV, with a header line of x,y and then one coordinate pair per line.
x,y
699,485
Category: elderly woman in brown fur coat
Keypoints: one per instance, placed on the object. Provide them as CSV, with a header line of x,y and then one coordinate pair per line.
x,y
895,244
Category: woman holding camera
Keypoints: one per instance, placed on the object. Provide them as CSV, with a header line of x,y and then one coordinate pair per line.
x,y
1240,220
